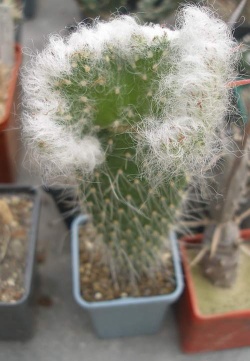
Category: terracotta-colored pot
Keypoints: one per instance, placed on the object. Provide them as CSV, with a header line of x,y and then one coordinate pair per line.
x,y
9,126
200,333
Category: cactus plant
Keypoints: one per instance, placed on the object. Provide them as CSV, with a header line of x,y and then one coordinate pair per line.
x,y
131,114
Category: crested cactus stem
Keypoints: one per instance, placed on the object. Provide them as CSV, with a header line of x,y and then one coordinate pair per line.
x,y
131,114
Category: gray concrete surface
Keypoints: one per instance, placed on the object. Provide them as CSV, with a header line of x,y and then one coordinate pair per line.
x,y
63,331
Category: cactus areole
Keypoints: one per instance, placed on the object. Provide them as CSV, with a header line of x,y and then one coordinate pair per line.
x,y
130,113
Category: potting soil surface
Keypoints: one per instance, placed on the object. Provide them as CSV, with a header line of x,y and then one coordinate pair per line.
x,y
214,300
98,285
15,221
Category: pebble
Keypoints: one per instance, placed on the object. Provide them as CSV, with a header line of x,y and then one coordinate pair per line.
x,y
6,214
10,282
15,200
98,296
166,256
4,298
89,245
12,301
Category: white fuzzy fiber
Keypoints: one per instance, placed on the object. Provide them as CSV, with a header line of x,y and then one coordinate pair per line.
x,y
60,150
194,95
188,137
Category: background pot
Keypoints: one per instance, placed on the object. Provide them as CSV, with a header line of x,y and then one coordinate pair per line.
x,y
29,8
130,316
9,126
208,333
17,319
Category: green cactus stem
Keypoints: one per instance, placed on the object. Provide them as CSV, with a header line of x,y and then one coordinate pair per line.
x,y
115,93
130,114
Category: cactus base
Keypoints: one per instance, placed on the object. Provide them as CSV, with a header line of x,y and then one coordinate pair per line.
x,y
125,316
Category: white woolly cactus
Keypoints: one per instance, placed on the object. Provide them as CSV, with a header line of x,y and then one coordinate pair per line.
x,y
195,96
120,99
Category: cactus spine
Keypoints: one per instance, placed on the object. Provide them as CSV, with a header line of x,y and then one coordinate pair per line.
x,y
114,93
121,103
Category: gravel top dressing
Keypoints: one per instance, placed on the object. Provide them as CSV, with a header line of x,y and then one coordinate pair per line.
x,y
15,224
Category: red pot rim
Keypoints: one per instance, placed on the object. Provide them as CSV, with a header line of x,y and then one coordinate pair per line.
x,y
12,87
245,234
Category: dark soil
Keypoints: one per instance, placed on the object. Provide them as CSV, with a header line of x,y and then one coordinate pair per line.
x,y
15,222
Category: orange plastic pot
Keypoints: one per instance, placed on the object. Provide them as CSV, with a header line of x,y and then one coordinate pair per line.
x,y
9,126
200,333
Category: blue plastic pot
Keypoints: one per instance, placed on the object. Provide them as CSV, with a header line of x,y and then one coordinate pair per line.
x,y
125,317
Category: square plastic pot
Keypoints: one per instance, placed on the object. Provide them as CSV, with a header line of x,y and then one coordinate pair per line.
x,y
29,8
17,319
125,317
9,126
201,333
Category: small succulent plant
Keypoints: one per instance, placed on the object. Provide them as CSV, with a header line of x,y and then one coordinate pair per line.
x,y
131,114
